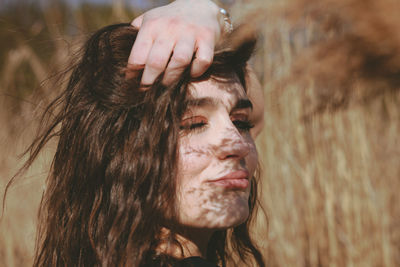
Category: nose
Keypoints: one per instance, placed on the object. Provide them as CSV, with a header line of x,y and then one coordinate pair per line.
x,y
232,144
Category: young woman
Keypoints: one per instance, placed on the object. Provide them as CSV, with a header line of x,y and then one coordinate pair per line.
x,y
157,177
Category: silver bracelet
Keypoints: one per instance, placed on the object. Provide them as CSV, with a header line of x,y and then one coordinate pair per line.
x,y
228,26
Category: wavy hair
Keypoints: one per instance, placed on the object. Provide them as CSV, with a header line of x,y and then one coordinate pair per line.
x,y
108,193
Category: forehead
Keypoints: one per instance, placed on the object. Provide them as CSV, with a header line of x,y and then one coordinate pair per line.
x,y
227,91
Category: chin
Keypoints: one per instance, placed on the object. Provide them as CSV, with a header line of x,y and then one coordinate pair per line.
x,y
233,215
230,212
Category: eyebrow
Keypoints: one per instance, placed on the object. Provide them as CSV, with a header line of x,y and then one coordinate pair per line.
x,y
241,103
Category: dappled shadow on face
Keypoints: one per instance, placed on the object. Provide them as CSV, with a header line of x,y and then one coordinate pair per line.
x,y
202,202
213,207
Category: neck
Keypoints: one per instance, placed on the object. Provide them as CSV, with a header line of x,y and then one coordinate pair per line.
x,y
192,242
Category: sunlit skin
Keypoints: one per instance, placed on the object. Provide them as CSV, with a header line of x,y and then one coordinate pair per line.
x,y
217,158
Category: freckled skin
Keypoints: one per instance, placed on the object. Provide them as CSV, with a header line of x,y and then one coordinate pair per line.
x,y
215,150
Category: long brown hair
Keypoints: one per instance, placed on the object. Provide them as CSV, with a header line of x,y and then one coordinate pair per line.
x,y
108,192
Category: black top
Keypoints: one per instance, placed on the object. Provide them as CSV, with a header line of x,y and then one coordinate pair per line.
x,y
186,262
195,262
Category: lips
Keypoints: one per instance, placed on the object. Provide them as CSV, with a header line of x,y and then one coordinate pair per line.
x,y
234,180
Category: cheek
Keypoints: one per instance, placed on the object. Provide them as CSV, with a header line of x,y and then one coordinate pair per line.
x,y
252,158
193,159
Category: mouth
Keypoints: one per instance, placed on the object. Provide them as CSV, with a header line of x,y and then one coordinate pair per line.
x,y
234,180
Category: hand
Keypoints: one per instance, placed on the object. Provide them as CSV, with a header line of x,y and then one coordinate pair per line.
x,y
170,35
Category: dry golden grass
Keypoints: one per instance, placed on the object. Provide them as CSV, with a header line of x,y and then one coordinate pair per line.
x,y
330,149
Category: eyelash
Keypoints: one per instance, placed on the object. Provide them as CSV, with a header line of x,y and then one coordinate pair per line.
x,y
193,127
244,125
241,125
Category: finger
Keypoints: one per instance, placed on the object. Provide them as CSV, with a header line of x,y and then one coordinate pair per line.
x,y
181,58
137,22
140,50
157,60
203,58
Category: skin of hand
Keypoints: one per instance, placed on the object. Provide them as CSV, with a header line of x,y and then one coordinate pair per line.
x,y
170,35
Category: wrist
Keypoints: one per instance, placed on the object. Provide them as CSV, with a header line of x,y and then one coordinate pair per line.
x,y
214,8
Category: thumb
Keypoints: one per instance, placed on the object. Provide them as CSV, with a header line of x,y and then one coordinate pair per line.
x,y
137,22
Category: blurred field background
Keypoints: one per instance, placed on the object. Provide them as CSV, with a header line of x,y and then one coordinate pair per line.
x,y
330,149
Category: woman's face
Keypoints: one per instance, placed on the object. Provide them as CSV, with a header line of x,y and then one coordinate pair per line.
x,y
217,156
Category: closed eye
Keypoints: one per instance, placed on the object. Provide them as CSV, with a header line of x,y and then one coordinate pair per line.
x,y
243,125
193,124
241,121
